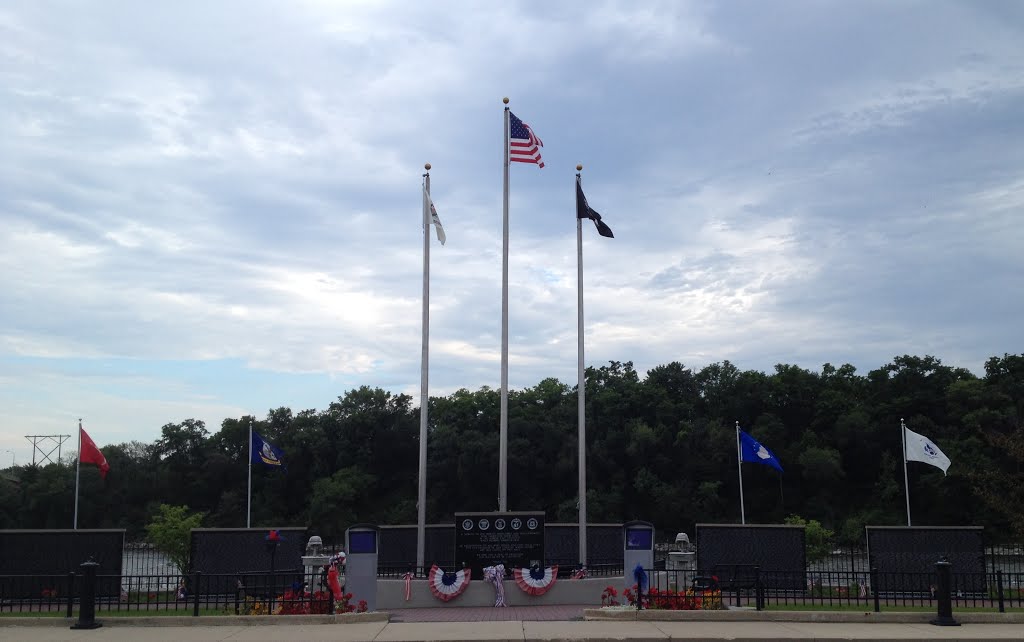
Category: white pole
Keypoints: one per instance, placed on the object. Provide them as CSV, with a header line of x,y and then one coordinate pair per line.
x,y
421,498
248,503
739,466
503,428
581,386
906,484
78,465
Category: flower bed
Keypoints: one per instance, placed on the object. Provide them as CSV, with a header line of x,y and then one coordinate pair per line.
x,y
683,600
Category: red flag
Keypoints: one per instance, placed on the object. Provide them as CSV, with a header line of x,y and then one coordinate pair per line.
x,y
90,454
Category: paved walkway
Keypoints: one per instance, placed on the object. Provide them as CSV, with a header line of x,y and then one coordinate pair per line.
x,y
538,613
517,631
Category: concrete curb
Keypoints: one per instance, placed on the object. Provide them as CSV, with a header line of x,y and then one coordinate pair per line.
x,y
203,620
824,617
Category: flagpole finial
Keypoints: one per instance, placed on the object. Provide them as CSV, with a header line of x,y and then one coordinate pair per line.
x,y
579,167
426,166
505,100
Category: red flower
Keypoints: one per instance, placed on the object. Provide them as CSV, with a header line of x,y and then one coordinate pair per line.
x,y
608,596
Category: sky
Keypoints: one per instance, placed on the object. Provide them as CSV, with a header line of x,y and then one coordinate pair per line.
x,y
209,210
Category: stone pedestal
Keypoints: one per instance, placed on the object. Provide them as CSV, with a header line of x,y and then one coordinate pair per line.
x,y
313,563
680,561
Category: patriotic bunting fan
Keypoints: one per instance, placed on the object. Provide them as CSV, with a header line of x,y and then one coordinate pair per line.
x,y
536,581
448,586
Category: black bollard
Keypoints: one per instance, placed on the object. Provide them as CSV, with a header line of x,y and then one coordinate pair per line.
x,y
999,589
87,598
944,570
71,594
874,589
758,590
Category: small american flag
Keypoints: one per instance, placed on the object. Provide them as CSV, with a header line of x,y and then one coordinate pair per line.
x,y
523,144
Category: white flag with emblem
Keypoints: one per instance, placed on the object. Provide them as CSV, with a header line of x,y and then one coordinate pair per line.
x,y
434,218
920,448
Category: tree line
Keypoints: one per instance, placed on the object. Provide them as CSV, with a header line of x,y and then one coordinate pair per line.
x,y
660,448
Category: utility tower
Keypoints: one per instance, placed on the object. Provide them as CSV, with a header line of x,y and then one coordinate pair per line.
x,y
45,446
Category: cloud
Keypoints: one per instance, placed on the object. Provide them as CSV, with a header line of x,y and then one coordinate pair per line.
x,y
236,187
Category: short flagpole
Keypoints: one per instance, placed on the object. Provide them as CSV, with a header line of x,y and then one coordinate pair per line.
x,y
581,383
78,465
739,466
503,427
421,498
906,483
248,502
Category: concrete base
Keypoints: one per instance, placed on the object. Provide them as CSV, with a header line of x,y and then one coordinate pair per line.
x,y
391,593
204,620
829,617
86,625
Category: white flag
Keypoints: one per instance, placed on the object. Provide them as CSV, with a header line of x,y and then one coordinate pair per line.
x,y
920,448
434,217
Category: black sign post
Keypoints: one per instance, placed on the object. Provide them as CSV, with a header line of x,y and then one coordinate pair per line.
x,y
486,539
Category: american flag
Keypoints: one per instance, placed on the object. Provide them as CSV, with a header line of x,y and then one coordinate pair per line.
x,y
523,144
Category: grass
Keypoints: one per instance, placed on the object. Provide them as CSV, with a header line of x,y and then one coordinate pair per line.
x,y
145,613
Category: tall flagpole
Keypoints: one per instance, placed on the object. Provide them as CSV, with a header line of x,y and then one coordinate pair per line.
x,y
248,502
906,484
78,465
421,498
503,430
581,383
739,466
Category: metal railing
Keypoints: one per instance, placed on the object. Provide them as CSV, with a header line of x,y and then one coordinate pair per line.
x,y
260,593
751,587
37,593
292,592
1008,558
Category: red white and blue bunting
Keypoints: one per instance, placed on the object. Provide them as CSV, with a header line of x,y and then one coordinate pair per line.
x,y
536,581
447,586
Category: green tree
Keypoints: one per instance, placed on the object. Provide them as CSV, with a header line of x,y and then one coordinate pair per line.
x,y
344,498
818,539
660,447
169,531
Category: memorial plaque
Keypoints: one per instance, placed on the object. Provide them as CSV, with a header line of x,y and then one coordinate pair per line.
x,y
731,551
515,539
221,553
44,558
905,557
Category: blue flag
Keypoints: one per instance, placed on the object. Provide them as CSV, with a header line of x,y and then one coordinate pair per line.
x,y
754,453
265,452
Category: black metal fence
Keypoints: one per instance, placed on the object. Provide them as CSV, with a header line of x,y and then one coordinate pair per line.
x,y
741,586
279,592
283,592
1006,558
21,593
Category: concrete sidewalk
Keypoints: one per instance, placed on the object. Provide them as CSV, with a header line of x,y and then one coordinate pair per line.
x,y
516,631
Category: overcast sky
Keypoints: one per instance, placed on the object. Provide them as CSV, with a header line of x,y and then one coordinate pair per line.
x,y
209,209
